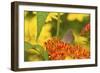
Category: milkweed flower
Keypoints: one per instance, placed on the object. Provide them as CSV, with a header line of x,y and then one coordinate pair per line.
x,y
58,50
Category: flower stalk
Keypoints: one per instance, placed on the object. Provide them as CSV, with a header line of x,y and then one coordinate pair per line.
x,y
58,25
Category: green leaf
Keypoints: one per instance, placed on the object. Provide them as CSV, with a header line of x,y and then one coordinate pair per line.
x,y
42,51
29,51
41,17
27,45
34,58
32,51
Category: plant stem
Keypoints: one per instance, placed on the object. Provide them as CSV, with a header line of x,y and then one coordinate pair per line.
x,y
58,25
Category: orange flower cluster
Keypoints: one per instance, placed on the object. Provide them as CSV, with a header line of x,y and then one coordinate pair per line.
x,y
58,50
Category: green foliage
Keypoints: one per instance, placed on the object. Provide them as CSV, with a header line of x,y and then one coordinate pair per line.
x,y
41,17
58,25
62,27
54,27
37,50
42,51
27,45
